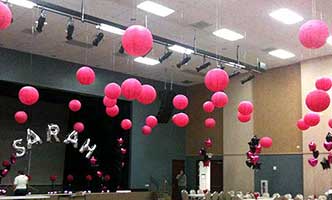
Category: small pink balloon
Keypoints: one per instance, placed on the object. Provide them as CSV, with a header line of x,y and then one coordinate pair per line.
x,y
258,149
99,174
148,95
180,119
330,123
108,102
4,172
210,123
126,124
146,130
245,107
5,16
243,118
112,111
180,102
313,162
123,151
21,117
249,154
120,141
107,177
323,83
312,146
302,125
329,157
219,99
112,90
151,121
208,106
79,127
311,118
313,34
208,143
93,161
85,75
131,88
328,145
254,159
216,80
266,142
28,95
74,105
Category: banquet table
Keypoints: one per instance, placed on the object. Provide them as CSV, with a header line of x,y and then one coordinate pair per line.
x,y
196,196
24,197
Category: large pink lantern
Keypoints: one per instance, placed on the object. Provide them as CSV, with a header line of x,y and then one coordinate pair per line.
x,y
126,124
311,119
317,100
180,119
151,121
108,102
131,88
180,102
5,16
74,105
112,90
21,117
216,80
245,107
323,83
137,40
208,106
266,142
219,99
112,111
302,125
313,34
85,75
28,95
79,127
210,123
148,95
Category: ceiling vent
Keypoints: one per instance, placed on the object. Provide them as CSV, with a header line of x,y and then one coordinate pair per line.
x,y
200,25
79,44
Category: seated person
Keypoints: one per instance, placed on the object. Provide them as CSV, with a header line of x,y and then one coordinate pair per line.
x,y
21,184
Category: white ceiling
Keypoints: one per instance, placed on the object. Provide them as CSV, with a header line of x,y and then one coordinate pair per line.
x,y
249,17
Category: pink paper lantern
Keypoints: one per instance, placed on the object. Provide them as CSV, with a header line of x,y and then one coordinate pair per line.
x,y
21,117
112,111
85,75
5,16
323,83
28,95
108,102
219,99
151,121
126,124
311,119
243,118
146,130
180,119
210,123
330,123
266,142
313,34
245,107
137,40
79,127
148,95
317,100
74,105
208,106
216,80
112,90
180,102
302,125
208,143
131,88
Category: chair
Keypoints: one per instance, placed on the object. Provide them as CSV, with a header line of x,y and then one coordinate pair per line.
x,y
222,196
322,197
192,192
184,195
275,195
266,195
200,192
215,196
299,196
311,197
288,196
208,195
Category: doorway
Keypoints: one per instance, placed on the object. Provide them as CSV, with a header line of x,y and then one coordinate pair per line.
x,y
177,165
216,170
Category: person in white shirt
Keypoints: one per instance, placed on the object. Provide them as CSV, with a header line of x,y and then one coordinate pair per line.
x,y
21,184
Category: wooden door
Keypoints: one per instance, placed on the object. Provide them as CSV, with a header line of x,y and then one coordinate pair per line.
x,y
216,175
177,165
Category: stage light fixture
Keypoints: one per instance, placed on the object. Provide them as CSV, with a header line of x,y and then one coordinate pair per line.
x,y
41,21
121,50
70,29
185,60
98,39
249,78
203,66
233,74
166,55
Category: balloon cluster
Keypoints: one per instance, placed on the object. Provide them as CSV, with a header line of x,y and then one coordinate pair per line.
x,y
313,34
326,162
7,165
245,110
253,154
203,152
315,153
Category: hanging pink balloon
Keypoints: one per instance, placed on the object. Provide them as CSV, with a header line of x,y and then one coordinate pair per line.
x,y
53,178
243,118
148,95
137,40
245,107
208,143
146,130
313,34
108,102
120,141
208,106
79,127
151,121
131,88
180,102
93,161
107,177
123,151
317,100
216,80
85,75
28,95
311,119
312,162
70,178
180,119
323,83
5,16
210,123
4,172
112,111
302,125
74,105
266,142
327,145
99,173
219,99
21,117
254,159
126,124
330,123
88,178
312,146
258,149
112,90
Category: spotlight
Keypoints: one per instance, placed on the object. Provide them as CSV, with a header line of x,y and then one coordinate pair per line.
x,y
235,73
70,29
203,66
166,55
121,50
98,39
249,78
185,60
41,21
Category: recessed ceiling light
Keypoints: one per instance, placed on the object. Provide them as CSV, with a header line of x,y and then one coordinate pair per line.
x,y
155,8
280,53
146,61
286,16
110,29
180,49
228,34
329,40
23,3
